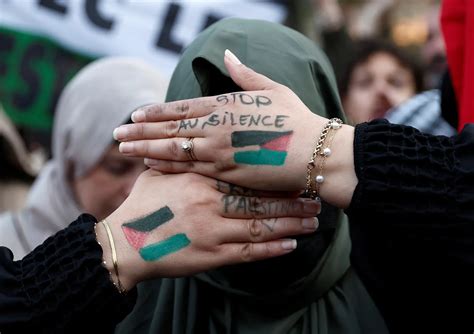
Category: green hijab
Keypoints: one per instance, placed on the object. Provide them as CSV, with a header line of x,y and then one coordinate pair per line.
x,y
311,290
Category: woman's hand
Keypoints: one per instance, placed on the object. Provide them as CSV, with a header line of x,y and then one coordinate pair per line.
x,y
247,138
261,139
178,225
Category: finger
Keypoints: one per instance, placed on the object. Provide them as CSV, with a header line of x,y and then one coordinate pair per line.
x,y
169,149
245,77
236,206
249,252
155,130
233,189
152,173
177,110
211,169
260,230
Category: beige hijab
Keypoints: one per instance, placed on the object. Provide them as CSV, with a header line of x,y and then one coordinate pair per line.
x,y
98,99
18,166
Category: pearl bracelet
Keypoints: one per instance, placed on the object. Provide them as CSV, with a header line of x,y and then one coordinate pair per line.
x,y
322,150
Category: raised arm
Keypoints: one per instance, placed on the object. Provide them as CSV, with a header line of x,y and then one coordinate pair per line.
x,y
262,138
409,195
170,225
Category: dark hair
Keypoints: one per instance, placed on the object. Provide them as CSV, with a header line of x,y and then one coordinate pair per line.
x,y
364,49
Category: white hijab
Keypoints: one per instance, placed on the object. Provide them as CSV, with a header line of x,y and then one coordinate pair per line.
x,y
97,100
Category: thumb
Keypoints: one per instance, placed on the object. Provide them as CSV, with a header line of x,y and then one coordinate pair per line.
x,y
245,77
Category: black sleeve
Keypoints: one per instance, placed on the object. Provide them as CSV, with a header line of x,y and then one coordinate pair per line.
x,y
412,226
61,286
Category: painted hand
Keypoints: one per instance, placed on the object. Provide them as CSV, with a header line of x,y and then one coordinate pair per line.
x,y
177,225
248,138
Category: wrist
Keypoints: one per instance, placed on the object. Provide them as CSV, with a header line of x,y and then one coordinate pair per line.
x,y
129,275
312,129
336,170
340,180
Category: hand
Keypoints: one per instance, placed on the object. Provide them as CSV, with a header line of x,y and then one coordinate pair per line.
x,y
247,138
178,225
261,139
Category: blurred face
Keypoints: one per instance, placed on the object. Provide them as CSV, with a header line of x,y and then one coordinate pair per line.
x,y
108,183
377,85
433,51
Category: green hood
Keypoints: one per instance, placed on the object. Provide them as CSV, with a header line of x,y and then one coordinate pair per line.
x,y
280,53
290,59
311,290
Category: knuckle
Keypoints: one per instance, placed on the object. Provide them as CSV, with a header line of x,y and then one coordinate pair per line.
x,y
207,200
182,109
139,130
246,252
173,148
166,165
147,148
224,164
223,140
189,165
209,196
255,205
142,147
295,207
153,112
285,224
171,129
247,76
267,250
255,229
192,178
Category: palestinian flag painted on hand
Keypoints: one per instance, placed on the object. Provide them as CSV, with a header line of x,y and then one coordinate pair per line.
x,y
272,151
136,232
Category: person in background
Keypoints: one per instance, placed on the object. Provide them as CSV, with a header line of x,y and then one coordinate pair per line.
x,y
433,111
433,51
86,173
378,77
336,31
424,112
18,166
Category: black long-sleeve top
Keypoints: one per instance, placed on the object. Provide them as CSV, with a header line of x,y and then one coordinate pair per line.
x,y
61,286
412,226
412,229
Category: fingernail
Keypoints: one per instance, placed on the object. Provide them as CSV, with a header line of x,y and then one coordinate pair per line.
x,y
120,132
310,223
311,206
126,147
138,115
232,57
288,244
150,162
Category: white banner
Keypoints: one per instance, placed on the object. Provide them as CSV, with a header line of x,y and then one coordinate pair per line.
x,y
157,31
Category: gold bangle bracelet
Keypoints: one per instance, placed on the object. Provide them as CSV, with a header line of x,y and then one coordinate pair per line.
x,y
119,285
